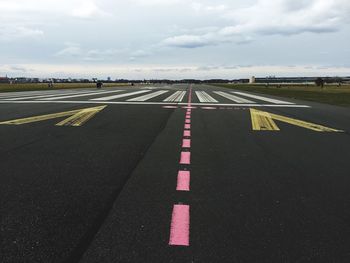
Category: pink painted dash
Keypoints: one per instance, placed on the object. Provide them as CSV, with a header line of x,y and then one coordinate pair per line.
x,y
183,181
180,226
187,126
186,143
185,158
188,121
187,133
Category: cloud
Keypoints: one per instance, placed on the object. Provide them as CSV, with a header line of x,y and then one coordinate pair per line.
x,y
10,33
266,17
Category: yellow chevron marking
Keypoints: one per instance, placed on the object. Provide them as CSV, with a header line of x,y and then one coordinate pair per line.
x,y
264,121
77,117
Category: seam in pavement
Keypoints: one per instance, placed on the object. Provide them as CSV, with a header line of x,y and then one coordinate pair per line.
x,y
86,240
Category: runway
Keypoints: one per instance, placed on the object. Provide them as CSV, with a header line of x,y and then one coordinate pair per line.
x,y
178,173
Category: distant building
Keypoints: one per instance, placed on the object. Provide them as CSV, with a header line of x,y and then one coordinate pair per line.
x,y
252,80
4,80
109,79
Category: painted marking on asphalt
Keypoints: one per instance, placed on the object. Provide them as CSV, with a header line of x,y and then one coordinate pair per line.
x,y
233,97
205,97
82,95
77,117
149,96
180,226
120,95
186,143
176,97
187,126
183,181
208,108
185,158
261,121
43,96
187,133
188,121
262,98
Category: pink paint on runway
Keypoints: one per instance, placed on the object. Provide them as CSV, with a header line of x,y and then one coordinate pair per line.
x,y
180,226
186,143
187,133
183,181
187,126
188,121
185,158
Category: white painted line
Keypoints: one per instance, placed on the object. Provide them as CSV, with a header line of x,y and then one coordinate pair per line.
x,y
262,98
176,97
205,97
232,97
45,96
149,96
83,95
120,95
155,103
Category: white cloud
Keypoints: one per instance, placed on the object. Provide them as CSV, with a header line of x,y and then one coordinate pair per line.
x,y
10,33
266,17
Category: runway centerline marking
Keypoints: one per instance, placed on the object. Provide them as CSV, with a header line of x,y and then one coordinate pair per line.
x,y
180,226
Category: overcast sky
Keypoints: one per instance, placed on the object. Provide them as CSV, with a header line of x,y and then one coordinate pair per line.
x,y
174,38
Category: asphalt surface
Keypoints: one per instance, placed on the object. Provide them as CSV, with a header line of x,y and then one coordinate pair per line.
x,y
105,191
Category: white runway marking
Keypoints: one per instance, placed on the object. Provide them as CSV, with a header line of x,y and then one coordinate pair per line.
x,y
205,97
121,95
82,95
46,96
262,98
232,97
176,97
149,96
159,103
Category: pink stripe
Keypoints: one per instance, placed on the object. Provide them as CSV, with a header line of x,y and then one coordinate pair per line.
x,y
180,226
188,116
186,143
185,158
183,181
188,121
187,133
187,126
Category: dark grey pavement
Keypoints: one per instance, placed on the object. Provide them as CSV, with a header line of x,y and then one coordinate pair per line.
x,y
104,192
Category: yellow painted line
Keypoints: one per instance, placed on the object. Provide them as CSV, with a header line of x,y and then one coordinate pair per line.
x,y
262,120
81,117
262,123
78,117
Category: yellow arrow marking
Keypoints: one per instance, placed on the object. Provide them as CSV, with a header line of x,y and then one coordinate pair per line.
x,y
264,121
77,117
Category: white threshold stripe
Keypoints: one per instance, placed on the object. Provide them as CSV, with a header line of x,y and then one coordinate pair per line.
x,y
205,97
262,98
46,96
41,92
176,97
233,97
83,95
121,95
156,103
149,96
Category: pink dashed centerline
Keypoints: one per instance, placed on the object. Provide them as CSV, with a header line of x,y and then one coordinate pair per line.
x,y
187,133
183,181
180,226
180,221
186,143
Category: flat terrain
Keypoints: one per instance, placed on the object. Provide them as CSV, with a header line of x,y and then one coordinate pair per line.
x,y
181,173
330,94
